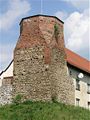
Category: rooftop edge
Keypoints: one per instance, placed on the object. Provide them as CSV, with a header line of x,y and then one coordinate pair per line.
x,y
41,15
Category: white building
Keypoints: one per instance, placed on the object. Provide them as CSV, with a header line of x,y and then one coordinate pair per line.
x,y
79,70
8,72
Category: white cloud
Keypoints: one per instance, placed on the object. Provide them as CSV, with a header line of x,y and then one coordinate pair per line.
x,y
79,4
76,32
82,4
16,9
61,15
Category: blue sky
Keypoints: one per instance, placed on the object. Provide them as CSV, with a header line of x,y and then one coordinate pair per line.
x,y
74,13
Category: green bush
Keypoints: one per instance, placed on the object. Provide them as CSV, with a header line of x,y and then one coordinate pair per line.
x,y
56,29
18,99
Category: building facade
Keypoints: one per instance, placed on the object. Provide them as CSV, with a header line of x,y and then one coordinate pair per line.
x,y
79,70
43,68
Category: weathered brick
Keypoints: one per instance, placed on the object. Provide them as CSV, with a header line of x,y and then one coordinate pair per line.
x,y
40,62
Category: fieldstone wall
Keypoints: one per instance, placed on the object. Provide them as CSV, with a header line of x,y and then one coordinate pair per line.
x,y
40,71
6,91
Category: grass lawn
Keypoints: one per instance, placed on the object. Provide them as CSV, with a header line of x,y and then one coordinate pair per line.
x,y
43,111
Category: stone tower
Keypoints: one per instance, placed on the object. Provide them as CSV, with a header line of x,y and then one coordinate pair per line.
x,y
40,71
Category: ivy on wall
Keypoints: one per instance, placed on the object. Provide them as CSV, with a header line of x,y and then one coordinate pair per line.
x,y
56,31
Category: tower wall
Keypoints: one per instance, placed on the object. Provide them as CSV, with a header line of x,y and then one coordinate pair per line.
x,y
6,91
40,71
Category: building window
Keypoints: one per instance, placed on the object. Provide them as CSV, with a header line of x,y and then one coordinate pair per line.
x,y
77,84
88,88
77,102
89,105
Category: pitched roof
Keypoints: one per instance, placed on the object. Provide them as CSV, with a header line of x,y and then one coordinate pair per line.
x,y
6,68
77,61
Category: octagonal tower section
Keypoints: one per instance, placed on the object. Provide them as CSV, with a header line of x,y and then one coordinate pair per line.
x,y
40,70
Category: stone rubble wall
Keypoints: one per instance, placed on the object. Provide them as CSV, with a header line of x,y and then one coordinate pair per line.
x,y
6,91
63,86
